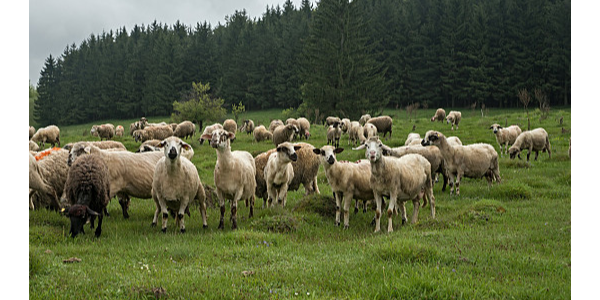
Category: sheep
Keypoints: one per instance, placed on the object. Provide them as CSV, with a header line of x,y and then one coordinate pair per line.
x,y
293,122
345,125
440,115
505,136
153,132
176,184
369,130
284,133
248,126
173,126
454,141
412,137
234,175
87,189
330,120
184,130
230,125
261,133
119,131
31,131
453,118
432,154
383,124
155,145
363,119
208,130
274,124
102,145
130,173
133,127
104,131
50,167
535,140
348,180
333,134
278,172
304,127
356,133
33,146
402,179
50,134
305,168
473,161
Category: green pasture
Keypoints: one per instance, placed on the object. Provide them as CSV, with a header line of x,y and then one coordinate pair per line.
x,y
510,241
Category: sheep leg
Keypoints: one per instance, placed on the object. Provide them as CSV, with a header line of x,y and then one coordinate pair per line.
x,y
457,183
536,155
431,198
316,186
347,200
124,202
179,218
99,229
222,206
356,206
528,153
403,212
282,195
390,211
157,211
377,211
251,214
416,205
165,217
338,200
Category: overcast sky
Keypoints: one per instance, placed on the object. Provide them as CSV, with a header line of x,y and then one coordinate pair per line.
x,y
55,24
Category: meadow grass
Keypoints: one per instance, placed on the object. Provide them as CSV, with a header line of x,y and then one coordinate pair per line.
x,y
512,240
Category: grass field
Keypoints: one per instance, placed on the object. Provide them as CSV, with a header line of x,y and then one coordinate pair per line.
x,y
511,241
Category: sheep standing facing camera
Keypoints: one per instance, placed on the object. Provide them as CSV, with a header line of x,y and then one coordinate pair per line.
x,y
279,172
176,184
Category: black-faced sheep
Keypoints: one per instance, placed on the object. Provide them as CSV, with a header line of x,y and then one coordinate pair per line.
x,y
87,189
440,115
505,136
184,130
284,133
261,134
176,184
234,175
534,140
453,118
208,130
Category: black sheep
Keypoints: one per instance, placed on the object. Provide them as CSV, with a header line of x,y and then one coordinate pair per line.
x,y
88,191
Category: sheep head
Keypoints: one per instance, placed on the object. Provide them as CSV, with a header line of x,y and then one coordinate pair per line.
x,y
77,150
172,147
287,151
78,214
432,138
514,151
219,138
496,128
327,154
375,149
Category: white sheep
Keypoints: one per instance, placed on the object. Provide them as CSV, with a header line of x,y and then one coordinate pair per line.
x,y
130,173
473,161
453,118
119,131
440,115
274,124
534,140
184,130
33,146
37,184
31,131
102,145
49,167
49,134
104,131
412,137
454,141
402,179
230,125
505,136
334,132
176,184
356,134
363,119
155,145
294,122
261,133
279,172
234,175
345,125
369,130
348,180
304,127
284,133
330,120
208,130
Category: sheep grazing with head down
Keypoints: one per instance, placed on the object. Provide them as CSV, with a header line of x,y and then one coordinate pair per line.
x,y
234,175
104,131
184,130
261,134
49,134
473,161
274,124
304,127
383,124
149,132
534,140
208,130
505,136
348,180
279,172
176,184
356,134
453,118
284,133
440,115
402,179
87,189
363,119
101,144
50,167
331,119
33,146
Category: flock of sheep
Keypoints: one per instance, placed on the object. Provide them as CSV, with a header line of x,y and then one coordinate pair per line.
x,y
81,178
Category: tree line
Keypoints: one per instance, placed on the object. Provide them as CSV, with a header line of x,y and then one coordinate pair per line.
x,y
341,57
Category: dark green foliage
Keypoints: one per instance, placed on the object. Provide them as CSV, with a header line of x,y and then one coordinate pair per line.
x,y
341,57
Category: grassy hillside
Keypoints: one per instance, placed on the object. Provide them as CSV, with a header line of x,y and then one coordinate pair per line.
x,y
512,240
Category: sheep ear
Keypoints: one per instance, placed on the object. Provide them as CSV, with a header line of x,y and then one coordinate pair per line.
x,y
185,145
206,136
338,150
162,144
297,147
317,151
386,148
491,127
231,135
363,146
87,149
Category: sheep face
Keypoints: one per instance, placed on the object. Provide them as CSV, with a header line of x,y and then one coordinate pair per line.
x,y
78,214
76,151
219,138
327,154
375,149
431,138
288,151
172,147
514,151
495,128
